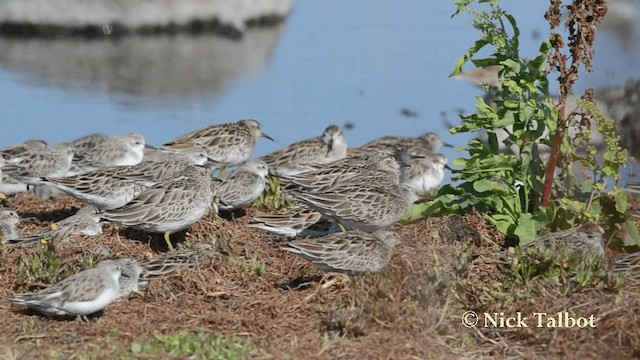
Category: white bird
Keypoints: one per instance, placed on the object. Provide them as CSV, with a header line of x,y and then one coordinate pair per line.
x,y
84,293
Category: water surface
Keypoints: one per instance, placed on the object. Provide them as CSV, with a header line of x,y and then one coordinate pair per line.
x,y
358,62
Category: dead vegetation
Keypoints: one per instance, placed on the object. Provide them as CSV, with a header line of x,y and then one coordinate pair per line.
x,y
262,302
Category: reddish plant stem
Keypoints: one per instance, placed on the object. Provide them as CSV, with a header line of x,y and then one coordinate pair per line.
x,y
555,152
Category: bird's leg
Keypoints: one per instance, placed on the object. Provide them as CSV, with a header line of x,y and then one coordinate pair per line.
x,y
168,240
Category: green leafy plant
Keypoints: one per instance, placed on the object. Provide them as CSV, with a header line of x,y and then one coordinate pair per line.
x,y
556,270
183,344
504,187
43,267
273,199
197,346
588,182
259,268
249,263
510,188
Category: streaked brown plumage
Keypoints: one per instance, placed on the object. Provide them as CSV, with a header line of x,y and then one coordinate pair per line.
x,y
293,159
351,252
226,144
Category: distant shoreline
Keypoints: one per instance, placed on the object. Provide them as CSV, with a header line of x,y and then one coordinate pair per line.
x,y
229,18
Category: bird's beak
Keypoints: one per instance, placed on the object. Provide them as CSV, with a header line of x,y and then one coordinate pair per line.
x,y
447,145
267,136
211,164
446,166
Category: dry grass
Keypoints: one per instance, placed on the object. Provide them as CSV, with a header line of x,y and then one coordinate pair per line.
x,y
410,310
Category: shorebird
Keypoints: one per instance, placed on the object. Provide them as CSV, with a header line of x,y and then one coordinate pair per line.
x,y
293,159
584,239
357,205
84,293
28,145
227,144
423,145
171,205
113,187
84,222
351,252
8,221
298,222
242,187
424,174
28,166
130,280
97,151
167,263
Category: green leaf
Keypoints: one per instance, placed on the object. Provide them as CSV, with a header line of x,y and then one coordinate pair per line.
x,y
621,202
529,226
479,44
487,185
511,64
632,237
484,63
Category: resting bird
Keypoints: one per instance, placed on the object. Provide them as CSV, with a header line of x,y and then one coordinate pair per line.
x,y
351,252
84,293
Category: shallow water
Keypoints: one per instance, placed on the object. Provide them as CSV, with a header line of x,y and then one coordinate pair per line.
x,y
359,62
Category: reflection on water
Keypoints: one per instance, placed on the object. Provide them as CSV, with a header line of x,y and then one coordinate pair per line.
x,y
149,66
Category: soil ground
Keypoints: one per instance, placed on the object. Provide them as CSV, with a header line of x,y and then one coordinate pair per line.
x,y
444,267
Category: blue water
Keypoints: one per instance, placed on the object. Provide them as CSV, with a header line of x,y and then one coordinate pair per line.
x,y
359,62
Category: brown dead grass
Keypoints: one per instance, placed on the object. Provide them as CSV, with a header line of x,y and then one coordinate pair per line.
x,y
410,310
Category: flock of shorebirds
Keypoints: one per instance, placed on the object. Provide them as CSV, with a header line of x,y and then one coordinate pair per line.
x,y
346,198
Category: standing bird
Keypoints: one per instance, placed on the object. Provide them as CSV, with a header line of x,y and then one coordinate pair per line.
x,y
84,293
242,187
329,147
8,221
84,222
351,252
354,192
227,144
172,205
